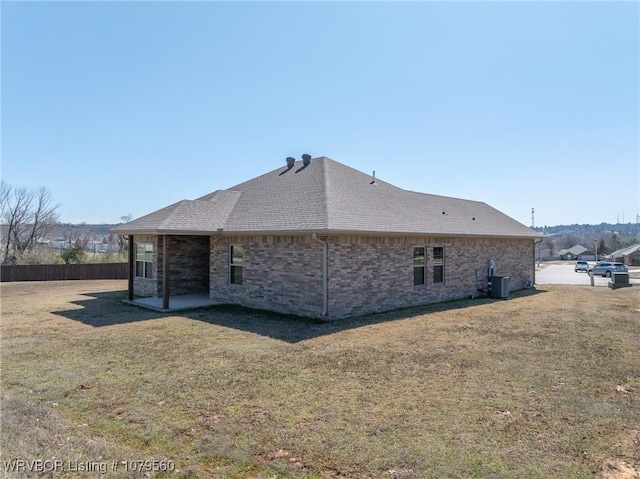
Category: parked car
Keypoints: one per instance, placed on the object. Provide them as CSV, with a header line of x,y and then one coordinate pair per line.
x,y
582,266
605,269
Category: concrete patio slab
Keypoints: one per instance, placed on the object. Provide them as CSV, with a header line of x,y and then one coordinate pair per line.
x,y
176,303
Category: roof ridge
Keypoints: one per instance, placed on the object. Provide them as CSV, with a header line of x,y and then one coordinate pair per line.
x,y
167,219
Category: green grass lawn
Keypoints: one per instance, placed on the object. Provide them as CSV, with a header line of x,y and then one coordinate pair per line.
x,y
545,385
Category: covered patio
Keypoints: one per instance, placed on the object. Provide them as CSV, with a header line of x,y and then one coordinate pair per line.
x,y
187,286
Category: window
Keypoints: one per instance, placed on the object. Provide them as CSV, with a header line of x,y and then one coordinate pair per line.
x,y
418,266
438,264
236,261
144,260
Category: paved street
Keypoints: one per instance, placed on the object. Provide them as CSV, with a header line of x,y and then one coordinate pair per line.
x,y
565,274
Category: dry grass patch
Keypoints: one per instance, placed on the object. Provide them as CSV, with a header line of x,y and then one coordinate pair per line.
x,y
545,385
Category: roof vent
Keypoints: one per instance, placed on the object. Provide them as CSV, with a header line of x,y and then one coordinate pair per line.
x,y
306,159
290,161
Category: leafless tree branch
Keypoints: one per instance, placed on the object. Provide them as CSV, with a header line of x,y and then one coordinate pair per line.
x,y
26,216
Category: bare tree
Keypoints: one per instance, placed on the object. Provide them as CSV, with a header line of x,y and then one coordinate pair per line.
x,y
547,248
15,212
570,241
81,234
27,217
614,242
5,191
114,243
122,242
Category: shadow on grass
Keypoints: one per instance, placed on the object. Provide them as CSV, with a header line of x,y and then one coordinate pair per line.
x,y
107,309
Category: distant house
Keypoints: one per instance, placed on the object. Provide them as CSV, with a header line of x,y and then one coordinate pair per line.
x,y
578,252
320,239
629,255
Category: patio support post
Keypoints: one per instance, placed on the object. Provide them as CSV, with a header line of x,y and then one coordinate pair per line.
x,y
165,272
131,268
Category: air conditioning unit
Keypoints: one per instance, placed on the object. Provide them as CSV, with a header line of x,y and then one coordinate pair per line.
x,y
500,287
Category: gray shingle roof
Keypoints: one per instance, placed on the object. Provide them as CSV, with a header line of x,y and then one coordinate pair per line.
x,y
578,249
626,251
326,196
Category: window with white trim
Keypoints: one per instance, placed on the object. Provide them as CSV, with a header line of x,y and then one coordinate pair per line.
x,y
144,260
236,264
438,264
419,265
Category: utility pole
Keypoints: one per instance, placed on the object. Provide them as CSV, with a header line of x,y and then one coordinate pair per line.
x,y
533,220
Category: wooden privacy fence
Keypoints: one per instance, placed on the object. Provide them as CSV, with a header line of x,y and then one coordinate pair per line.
x,y
57,272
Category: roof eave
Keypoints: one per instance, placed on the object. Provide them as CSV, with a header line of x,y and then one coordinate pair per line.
x,y
321,231
344,232
161,232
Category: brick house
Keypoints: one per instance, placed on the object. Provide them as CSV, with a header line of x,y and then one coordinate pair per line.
x,y
578,252
320,239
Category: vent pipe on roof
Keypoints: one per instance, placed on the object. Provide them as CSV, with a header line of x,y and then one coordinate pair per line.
x,y
290,161
306,159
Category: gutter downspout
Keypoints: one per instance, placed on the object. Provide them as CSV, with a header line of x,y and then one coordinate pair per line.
x,y
534,259
325,277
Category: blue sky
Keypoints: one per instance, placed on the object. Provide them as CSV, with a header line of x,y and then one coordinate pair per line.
x,y
126,107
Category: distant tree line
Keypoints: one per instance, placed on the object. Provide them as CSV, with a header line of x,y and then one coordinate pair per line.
x,y
607,237
27,216
30,232
622,229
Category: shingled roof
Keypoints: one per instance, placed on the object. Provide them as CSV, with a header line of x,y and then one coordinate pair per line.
x,y
326,197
